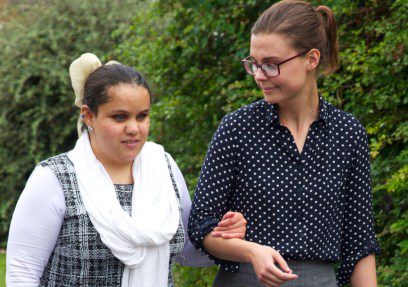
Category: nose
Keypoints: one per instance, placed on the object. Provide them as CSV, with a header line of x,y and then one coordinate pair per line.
x,y
132,127
259,75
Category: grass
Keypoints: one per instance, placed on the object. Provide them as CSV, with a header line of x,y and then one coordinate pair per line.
x,y
2,270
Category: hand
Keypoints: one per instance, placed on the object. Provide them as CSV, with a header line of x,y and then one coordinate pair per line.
x,y
232,225
263,259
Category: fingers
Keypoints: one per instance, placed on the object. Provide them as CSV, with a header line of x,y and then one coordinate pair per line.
x,y
240,235
281,275
227,215
228,219
268,279
230,235
282,263
265,261
232,226
275,277
231,218
227,234
236,230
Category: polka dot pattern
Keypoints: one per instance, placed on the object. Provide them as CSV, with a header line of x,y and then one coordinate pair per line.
x,y
315,205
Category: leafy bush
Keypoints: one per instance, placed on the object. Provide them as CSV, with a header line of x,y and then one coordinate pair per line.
x,y
3,270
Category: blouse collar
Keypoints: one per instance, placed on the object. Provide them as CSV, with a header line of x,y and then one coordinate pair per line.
x,y
273,116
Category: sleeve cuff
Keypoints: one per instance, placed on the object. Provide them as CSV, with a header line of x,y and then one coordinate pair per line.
x,y
349,263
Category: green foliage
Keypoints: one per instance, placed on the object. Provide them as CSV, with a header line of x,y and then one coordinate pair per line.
x,y
2,270
37,116
191,52
191,277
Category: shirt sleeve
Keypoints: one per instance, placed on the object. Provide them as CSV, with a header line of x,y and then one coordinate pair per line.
x,y
190,256
358,236
34,229
215,185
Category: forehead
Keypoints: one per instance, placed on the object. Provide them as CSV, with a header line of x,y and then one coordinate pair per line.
x,y
270,46
128,97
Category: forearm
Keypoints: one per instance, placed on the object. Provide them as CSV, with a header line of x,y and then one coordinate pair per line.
x,y
234,249
264,259
364,274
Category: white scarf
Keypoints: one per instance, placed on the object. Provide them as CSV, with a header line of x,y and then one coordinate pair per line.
x,y
141,241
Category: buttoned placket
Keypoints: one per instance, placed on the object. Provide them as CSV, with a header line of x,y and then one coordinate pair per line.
x,y
287,142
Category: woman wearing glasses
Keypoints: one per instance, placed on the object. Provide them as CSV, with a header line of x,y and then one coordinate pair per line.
x,y
294,165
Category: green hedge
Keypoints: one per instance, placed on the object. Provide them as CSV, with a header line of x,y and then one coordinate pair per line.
x,y
2,270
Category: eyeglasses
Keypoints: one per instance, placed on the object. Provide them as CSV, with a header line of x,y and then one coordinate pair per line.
x,y
269,70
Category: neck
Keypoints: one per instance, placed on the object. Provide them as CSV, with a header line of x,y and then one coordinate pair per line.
x,y
120,174
300,110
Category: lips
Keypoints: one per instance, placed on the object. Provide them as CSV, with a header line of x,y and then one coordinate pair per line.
x,y
131,143
268,89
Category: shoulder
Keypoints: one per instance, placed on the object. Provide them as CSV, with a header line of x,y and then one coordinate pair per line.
x,y
43,184
54,160
42,175
244,114
346,124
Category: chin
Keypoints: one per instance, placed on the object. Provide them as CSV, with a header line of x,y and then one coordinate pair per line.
x,y
131,157
271,99
128,157
276,98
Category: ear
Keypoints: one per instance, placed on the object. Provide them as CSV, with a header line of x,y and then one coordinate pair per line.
x,y
87,116
313,59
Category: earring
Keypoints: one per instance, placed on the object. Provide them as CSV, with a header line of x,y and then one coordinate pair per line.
x,y
90,129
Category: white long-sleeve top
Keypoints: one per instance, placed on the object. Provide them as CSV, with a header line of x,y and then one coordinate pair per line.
x,y
38,218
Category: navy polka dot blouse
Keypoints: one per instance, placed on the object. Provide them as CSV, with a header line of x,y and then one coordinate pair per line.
x,y
316,205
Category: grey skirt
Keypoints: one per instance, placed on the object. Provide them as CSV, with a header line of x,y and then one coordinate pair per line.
x,y
310,274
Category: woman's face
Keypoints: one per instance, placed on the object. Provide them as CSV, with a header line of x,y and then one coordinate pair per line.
x,y
121,126
293,79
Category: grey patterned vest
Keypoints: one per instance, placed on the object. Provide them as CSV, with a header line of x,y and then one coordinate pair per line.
x,y
79,257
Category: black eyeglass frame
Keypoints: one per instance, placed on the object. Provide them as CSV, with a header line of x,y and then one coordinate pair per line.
x,y
249,70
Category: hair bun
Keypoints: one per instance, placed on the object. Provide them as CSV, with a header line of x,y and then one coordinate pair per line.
x,y
112,62
79,72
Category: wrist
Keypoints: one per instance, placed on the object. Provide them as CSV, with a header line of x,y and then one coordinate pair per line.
x,y
249,251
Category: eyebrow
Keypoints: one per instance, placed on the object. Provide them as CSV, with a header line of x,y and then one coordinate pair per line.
x,y
127,112
272,58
